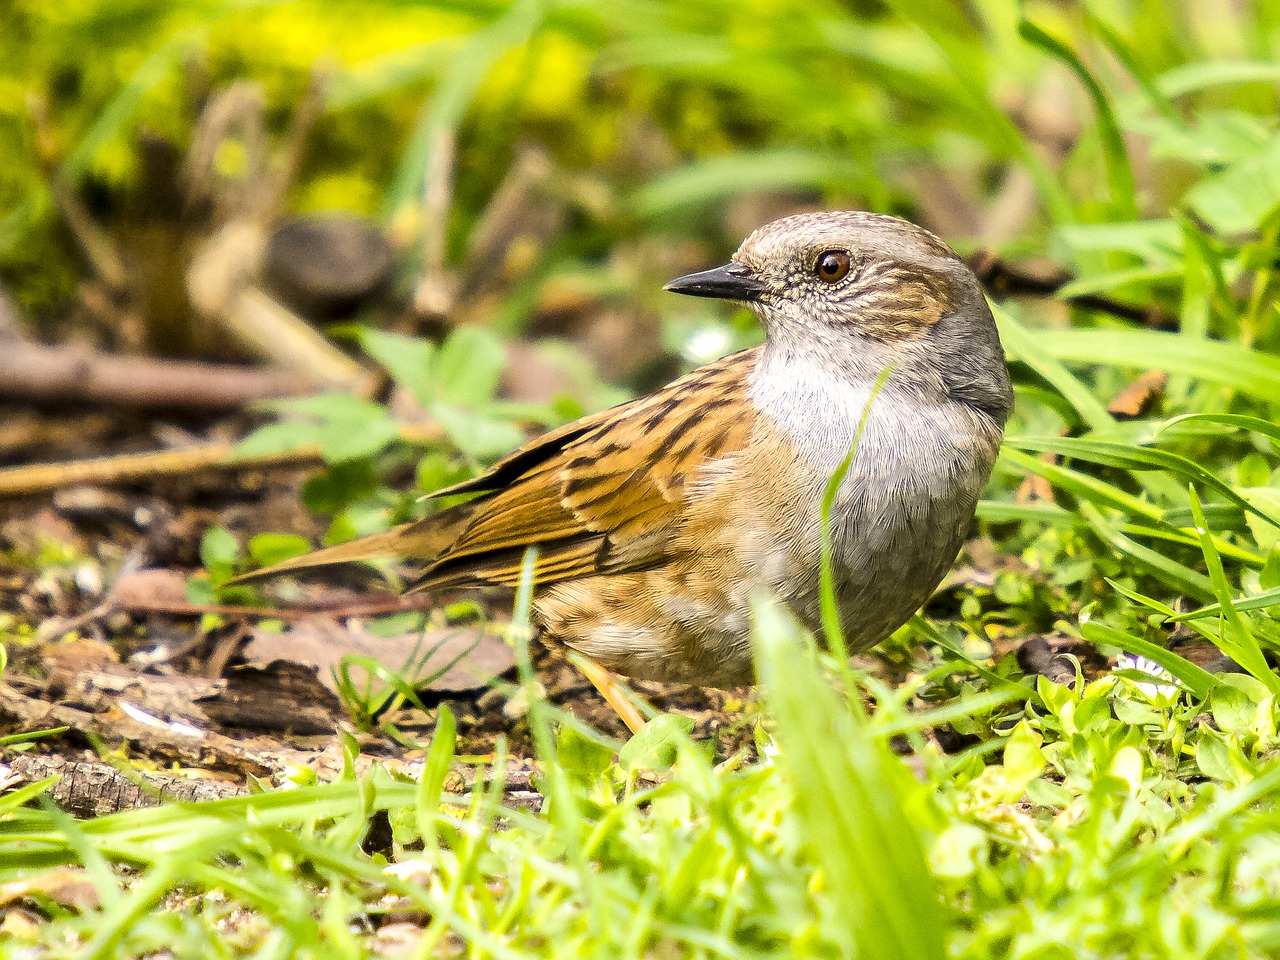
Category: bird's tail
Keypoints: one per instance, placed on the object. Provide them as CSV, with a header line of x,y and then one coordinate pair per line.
x,y
422,540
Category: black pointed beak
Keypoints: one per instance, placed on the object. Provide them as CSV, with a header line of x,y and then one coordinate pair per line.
x,y
733,281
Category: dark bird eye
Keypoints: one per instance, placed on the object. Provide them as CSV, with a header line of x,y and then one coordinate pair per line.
x,y
832,266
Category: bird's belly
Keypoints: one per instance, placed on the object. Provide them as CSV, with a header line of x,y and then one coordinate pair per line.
x,y
894,536
883,577
668,624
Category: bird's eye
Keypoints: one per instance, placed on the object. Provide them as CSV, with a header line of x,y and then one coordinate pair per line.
x,y
832,266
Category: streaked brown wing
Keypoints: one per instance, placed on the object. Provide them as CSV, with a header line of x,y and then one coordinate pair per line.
x,y
604,493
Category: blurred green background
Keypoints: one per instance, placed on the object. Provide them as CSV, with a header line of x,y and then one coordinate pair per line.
x,y
1013,127
532,172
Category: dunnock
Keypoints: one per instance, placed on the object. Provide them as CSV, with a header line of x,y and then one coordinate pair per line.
x,y
656,520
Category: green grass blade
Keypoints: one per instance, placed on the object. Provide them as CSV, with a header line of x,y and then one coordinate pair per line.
x,y
1081,485
832,626
1020,344
431,783
1174,575
456,90
731,175
1196,679
1259,601
1235,420
1227,364
1119,173
849,796
1243,647
1136,458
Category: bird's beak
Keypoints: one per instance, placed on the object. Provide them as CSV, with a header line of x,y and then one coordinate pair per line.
x,y
733,281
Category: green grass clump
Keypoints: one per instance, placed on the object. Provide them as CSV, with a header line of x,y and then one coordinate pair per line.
x,y
1114,819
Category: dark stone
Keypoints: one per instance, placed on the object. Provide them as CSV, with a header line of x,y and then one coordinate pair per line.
x,y
327,265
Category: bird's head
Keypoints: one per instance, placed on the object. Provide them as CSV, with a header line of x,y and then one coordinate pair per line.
x,y
863,287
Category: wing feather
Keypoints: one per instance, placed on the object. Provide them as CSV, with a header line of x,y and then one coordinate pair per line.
x,y
604,494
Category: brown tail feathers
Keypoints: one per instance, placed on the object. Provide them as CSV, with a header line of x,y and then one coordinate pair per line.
x,y
422,540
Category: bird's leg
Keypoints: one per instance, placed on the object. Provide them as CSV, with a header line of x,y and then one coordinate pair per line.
x,y
607,684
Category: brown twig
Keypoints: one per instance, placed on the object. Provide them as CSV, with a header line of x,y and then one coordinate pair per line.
x,y
36,372
303,123
238,109
166,464
24,429
10,322
270,330
407,604
1004,280
519,211
141,467
435,293
87,789
95,243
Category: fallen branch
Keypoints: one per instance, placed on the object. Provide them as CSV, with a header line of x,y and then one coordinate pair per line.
x,y
408,604
141,467
87,789
1003,280
37,372
165,464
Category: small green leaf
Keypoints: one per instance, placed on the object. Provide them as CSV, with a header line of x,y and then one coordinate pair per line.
x,y
409,360
339,486
585,760
1233,709
1023,759
270,439
475,434
1264,500
345,427
1213,756
1269,575
1253,471
219,548
1126,766
655,747
269,548
468,366
958,851
1243,195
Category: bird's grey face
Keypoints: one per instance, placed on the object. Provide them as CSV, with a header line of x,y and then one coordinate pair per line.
x,y
850,272
861,291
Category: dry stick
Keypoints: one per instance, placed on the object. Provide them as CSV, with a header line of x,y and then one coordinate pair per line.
x,y
435,293
223,276
86,788
1002,280
10,325
412,603
95,243
265,326
504,219
36,372
234,112
139,467
142,467
303,123
22,430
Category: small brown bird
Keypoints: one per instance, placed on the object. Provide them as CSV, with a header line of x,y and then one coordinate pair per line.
x,y
656,520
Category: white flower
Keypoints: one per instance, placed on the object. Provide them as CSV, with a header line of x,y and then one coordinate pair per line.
x,y
1131,661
